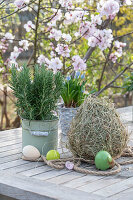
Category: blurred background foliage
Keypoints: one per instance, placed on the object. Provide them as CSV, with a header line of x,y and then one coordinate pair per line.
x,y
121,25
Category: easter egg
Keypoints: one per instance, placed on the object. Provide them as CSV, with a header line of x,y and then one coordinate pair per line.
x,y
53,155
31,152
103,160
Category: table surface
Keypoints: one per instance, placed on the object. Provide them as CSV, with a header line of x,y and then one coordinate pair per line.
x,y
26,180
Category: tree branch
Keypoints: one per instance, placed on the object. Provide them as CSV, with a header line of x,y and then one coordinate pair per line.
x,y
107,59
15,11
36,33
109,84
118,37
91,49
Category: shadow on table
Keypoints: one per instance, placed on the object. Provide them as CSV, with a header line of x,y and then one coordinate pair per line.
x,y
6,198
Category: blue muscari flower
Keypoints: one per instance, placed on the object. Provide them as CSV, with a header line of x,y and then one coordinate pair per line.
x,y
68,78
82,76
77,74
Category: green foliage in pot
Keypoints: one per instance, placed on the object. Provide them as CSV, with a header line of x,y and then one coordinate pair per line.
x,y
73,90
36,95
128,83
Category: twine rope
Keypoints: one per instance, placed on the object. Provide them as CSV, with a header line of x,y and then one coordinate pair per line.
x,y
60,163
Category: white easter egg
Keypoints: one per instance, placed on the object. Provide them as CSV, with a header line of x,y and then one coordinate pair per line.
x,y
31,152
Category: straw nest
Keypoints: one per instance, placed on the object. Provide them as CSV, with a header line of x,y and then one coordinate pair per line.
x,y
96,127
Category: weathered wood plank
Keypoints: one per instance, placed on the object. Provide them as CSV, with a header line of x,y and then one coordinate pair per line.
x,y
65,178
82,181
12,164
51,174
99,184
24,167
30,189
36,171
8,143
10,152
10,158
125,195
115,188
10,147
9,135
10,132
9,138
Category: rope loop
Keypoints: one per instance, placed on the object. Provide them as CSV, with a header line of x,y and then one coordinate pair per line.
x,y
60,163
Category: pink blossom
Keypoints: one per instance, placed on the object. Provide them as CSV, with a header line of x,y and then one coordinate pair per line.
x,y
118,53
52,23
8,36
55,64
78,63
18,50
19,3
66,37
113,57
41,59
118,44
74,16
29,26
24,44
7,61
52,53
87,29
12,63
66,3
128,2
14,55
96,19
110,8
3,46
79,1
75,58
56,16
56,34
47,61
69,165
101,38
77,34
62,49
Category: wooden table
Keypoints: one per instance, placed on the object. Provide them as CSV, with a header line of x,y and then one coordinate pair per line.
x,y
25,180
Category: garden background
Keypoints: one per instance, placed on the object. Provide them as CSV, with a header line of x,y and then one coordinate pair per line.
x,y
31,32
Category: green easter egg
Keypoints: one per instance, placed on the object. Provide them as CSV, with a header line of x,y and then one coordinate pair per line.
x,y
53,155
103,160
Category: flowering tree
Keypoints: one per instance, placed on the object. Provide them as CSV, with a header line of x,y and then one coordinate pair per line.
x,y
65,34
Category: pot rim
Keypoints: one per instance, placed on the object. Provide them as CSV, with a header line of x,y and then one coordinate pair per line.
x,y
40,120
69,107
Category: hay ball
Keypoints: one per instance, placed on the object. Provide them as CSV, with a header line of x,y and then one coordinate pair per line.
x,y
97,126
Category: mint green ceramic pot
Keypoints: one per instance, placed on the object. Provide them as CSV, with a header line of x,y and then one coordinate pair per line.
x,y
41,134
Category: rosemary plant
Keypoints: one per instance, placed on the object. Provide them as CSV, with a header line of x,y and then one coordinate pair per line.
x,y
36,95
